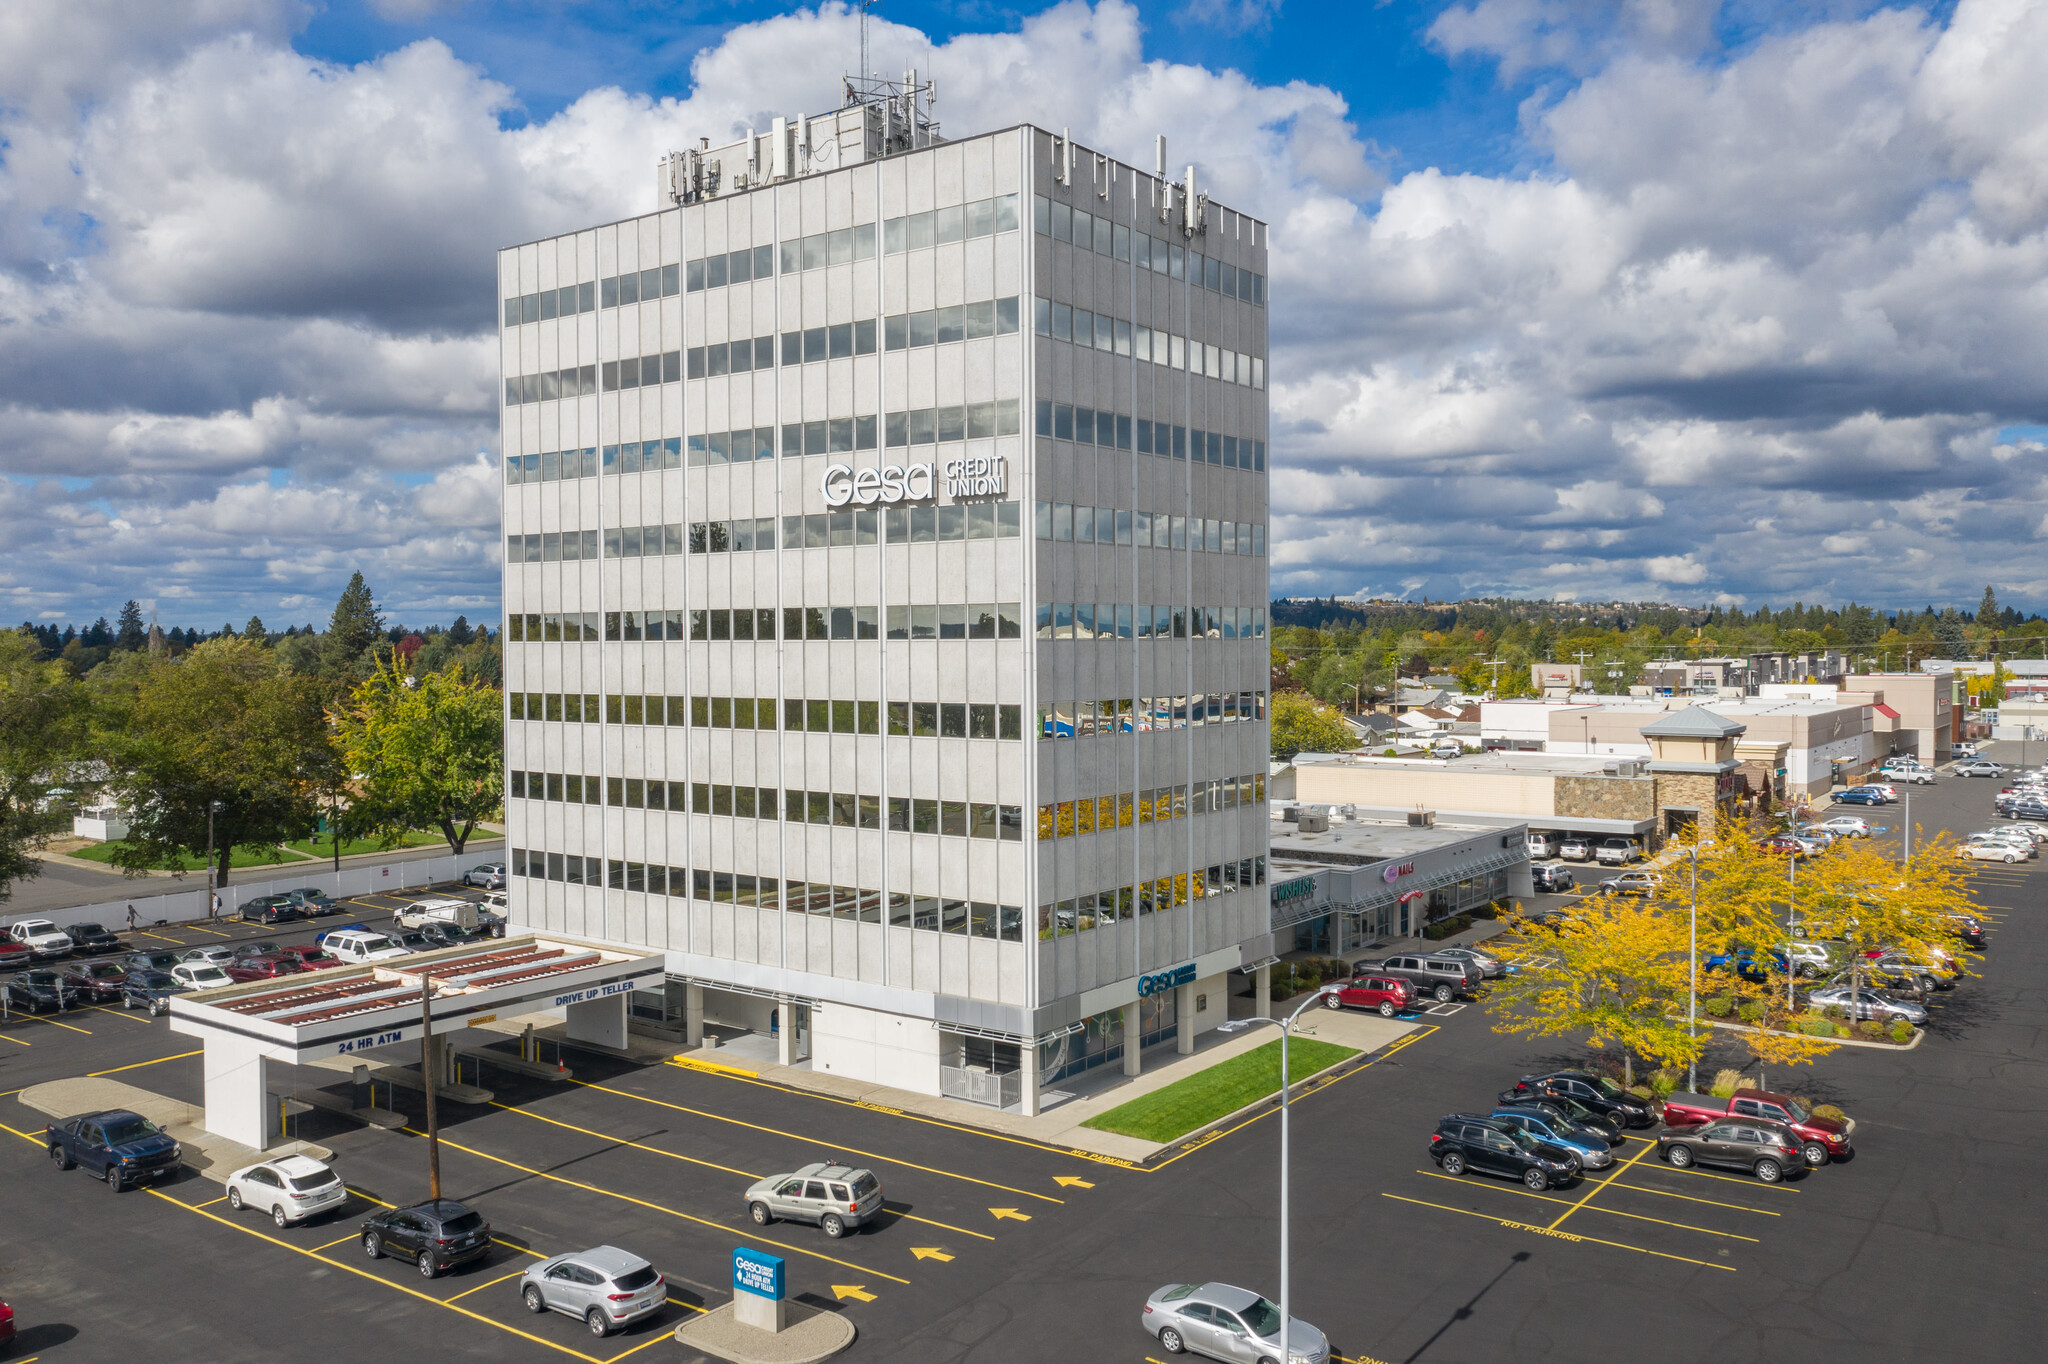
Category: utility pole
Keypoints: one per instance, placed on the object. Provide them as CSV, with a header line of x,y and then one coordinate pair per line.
x,y
1496,664
432,1081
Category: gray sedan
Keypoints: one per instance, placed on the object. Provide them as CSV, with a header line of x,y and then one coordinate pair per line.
x,y
1491,967
1223,1322
1869,1004
607,1287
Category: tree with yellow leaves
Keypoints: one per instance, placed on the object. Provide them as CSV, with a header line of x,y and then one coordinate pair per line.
x,y
1612,971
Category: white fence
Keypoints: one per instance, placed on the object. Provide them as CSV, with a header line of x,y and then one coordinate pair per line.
x,y
980,1086
185,905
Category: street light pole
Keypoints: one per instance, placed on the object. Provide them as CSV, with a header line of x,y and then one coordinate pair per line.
x,y
1286,1028
1692,1002
427,1075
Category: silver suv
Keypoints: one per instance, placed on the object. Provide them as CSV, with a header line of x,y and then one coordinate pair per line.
x,y
1439,977
607,1287
836,1197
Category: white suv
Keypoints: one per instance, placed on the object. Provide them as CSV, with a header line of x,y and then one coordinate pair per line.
x,y
359,945
43,939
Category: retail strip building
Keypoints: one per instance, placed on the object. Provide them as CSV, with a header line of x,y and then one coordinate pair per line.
x,y
886,583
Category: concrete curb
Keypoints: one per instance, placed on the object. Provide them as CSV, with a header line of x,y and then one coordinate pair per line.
x,y
1918,1035
806,1340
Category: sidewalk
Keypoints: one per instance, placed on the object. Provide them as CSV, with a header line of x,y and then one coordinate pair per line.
x,y
1060,1125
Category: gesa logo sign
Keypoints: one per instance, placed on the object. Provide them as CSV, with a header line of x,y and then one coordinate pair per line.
x,y
890,483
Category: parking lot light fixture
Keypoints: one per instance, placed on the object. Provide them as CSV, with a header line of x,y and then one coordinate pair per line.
x,y
1286,1027
427,1075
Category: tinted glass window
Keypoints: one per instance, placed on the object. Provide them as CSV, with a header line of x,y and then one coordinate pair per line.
x,y
635,1280
468,1221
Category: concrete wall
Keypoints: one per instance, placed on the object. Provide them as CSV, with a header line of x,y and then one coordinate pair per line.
x,y
1529,795
880,1048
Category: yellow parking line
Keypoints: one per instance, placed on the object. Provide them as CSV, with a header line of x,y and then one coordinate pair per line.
x,y
55,1024
835,1146
138,1065
657,1338
1714,1202
942,1226
1563,1235
211,1201
335,1242
641,1202
120,1013
624,1141
482,1286
1612,1175
1612,1212
1663,1168
378,1279
19,1133
16,1040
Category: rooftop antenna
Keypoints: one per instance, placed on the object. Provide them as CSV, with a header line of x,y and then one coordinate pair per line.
x,y
865,6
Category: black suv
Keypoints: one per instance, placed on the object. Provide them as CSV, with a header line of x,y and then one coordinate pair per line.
x,y
270,909
1438,978
436,1236
35,991
1596,1092
1464,1141
91,939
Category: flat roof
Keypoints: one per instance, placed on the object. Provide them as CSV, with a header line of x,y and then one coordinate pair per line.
x,y
338,1010
1498,762
1374,838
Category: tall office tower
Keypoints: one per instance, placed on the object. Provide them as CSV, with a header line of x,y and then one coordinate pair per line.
x,y
886,594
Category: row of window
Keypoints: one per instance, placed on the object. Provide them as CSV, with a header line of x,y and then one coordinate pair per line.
x,y
859,526
573,382
1064,223
972,918
1147,714
944,621
947,818
1148,530
1118,337
938,226
1155,805
1122,903
1142,620
905,719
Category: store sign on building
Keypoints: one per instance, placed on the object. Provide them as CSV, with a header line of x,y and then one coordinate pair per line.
x,y
1294,890
1159,982
842,484
975,476
1396,870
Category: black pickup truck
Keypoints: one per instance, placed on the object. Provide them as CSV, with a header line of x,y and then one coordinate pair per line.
x,y
120,1147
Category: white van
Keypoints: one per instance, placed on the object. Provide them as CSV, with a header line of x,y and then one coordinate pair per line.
x,y
359,945
449,913
1543,844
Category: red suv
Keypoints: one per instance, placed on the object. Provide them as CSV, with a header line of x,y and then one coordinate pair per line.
x,y
311,957
1389,994
268,966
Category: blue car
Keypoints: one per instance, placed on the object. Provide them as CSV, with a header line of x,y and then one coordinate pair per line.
x,y
1744,963
1546,1124
1859,795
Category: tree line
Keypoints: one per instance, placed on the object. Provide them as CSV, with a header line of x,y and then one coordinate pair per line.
x,y
1346,653
246,739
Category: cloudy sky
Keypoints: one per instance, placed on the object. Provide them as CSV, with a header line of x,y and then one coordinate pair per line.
x,y
1578,298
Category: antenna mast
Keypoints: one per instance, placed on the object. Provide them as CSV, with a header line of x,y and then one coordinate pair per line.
x,y
863,69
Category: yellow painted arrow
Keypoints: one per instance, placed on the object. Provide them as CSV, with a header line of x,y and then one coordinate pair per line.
x,y
929,1253
858,1293
1010,1213
1068,1181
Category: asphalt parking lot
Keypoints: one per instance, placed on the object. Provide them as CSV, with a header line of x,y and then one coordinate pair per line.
x,y
1924,1247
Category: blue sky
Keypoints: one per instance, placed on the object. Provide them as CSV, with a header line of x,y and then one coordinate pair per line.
x,y
1693,300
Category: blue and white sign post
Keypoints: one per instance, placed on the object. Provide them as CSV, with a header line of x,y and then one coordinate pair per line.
x,y
757,1290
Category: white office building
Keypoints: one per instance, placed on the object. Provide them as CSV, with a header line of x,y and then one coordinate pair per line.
x,y
886,584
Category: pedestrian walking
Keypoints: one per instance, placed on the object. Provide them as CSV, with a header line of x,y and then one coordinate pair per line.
x,y
131,918
213,908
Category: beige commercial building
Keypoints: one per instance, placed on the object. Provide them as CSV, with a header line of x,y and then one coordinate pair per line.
x,y
1916,713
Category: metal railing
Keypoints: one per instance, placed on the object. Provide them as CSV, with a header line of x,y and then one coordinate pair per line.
x,y
979,1086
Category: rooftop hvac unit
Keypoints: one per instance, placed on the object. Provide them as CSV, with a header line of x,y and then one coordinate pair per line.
x,y
1422,819
1292,814
1314,821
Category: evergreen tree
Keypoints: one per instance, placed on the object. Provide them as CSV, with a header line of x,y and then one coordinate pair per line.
x,y
254,631
98,635
356,624
129,631
1949,631
1987,609
459,632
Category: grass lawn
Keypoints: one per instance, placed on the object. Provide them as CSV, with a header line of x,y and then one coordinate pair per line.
x,y
243,857
324,847
1184,1105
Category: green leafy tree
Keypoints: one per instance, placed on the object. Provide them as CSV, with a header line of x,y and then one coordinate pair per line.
x,y
42,715
225,728
1302,726
426,752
